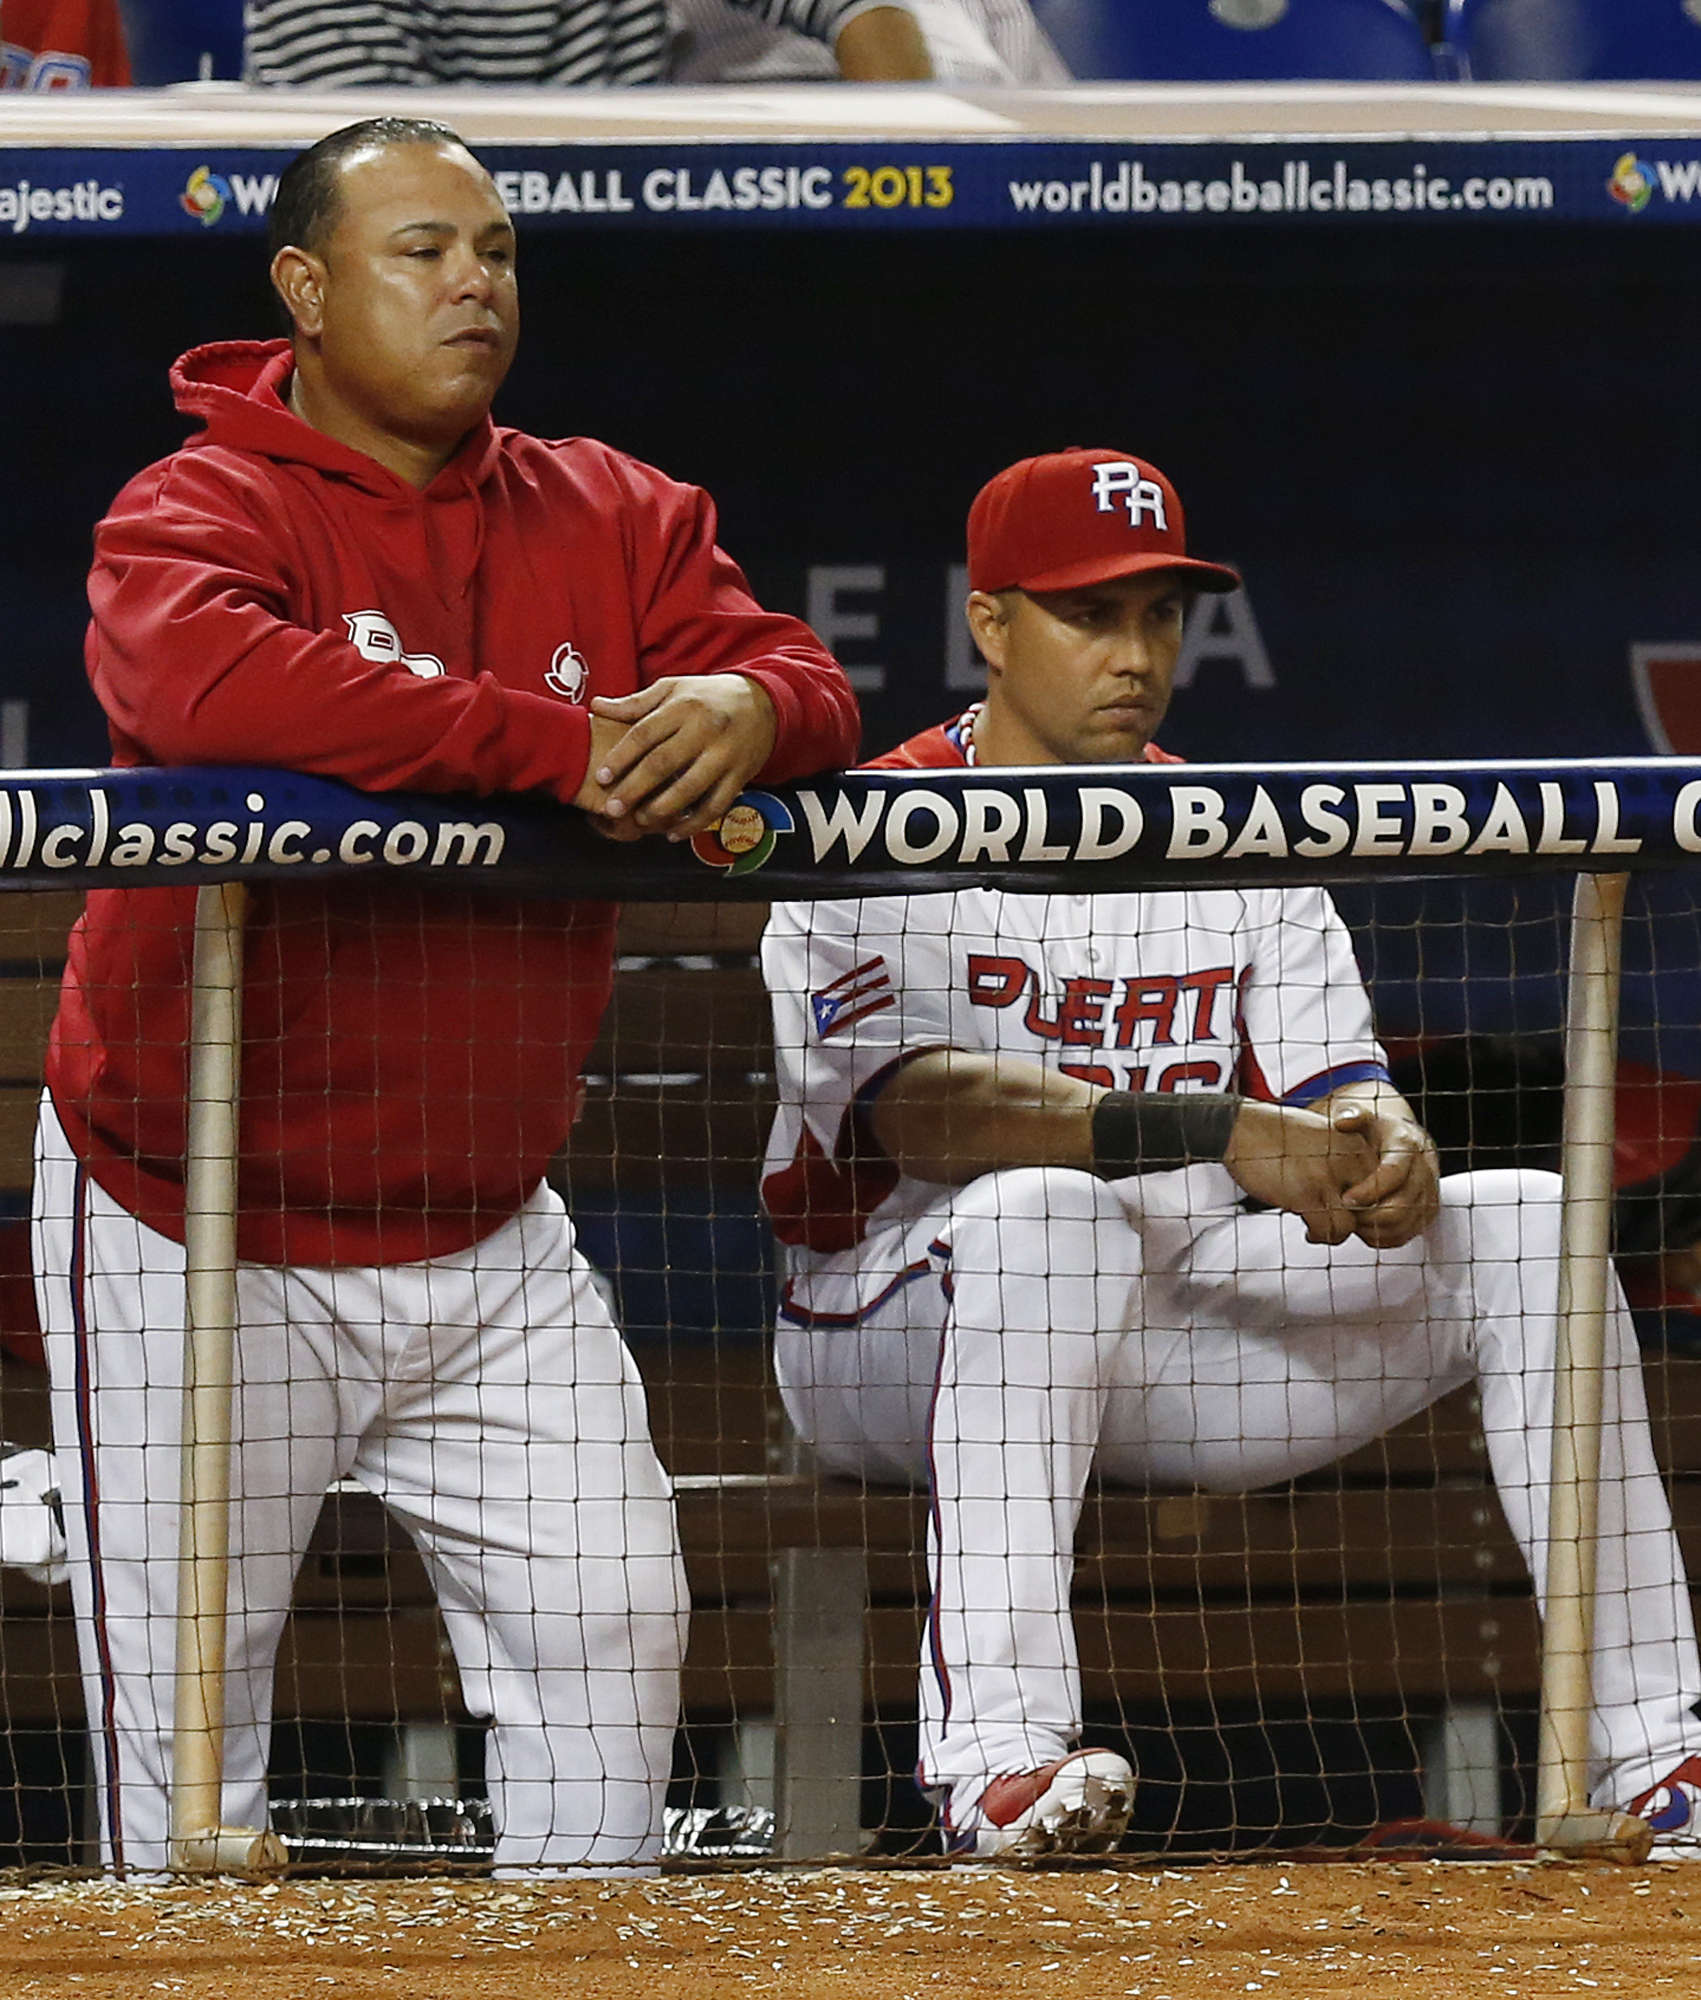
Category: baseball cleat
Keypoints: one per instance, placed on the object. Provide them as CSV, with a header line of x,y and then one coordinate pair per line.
x,y
32,1522
1078,1805
1673,1809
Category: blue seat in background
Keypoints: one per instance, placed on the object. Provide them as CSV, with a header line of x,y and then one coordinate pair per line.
x,y
1504,41
1238,40
169,38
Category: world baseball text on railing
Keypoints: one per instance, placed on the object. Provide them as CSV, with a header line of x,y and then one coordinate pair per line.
x,y
864,832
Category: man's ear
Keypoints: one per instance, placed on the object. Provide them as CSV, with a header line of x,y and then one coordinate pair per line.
x,y
988,626
299,280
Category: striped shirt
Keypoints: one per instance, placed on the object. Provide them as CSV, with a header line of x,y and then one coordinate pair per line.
x,y
342,44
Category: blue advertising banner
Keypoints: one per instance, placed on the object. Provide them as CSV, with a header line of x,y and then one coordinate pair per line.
x,y
1087,830
933,185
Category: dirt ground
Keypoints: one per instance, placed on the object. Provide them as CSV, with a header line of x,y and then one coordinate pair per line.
x,y
1421,1929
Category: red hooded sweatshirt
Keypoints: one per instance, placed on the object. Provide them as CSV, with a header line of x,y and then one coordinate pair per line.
x,y
270,596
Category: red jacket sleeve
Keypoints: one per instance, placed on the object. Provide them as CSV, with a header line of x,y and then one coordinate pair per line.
x,y
198,656
211,643
700,618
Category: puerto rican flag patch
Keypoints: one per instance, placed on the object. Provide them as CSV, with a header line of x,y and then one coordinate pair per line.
x,y
866,989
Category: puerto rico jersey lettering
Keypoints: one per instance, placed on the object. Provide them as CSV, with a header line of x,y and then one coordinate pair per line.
x,y
1255,991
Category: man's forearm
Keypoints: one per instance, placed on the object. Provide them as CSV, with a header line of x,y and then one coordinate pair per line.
x,y
951,1114
885,45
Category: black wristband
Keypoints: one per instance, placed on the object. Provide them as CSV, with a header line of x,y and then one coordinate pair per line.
x,y
1150,1131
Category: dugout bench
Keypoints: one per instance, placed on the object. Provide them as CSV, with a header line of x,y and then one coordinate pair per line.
x,y
1390,1575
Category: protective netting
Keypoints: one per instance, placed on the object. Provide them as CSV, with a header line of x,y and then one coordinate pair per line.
x,y
1350,1640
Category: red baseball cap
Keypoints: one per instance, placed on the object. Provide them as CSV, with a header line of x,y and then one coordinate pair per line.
x,y
1081,516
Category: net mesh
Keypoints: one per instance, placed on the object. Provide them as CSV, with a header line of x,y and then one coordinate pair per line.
x,y
1286,1667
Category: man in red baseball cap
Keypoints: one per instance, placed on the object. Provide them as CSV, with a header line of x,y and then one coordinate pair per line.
x,y
1016,1137
1080,583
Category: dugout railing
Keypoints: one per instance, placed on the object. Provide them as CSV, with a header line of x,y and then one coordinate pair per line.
x,y
856,835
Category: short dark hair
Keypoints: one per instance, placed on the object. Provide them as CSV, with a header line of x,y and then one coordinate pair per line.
x,y
308,202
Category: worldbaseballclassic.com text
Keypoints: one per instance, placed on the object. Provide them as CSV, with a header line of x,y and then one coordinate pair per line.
x,y
34,836
1298,190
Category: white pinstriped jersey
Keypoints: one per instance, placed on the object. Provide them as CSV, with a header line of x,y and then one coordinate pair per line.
x,y
1227,989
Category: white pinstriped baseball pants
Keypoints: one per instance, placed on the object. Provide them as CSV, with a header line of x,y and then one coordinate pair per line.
x,y
1046,1326
485,1398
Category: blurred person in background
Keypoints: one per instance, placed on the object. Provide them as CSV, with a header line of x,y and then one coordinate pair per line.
x,y
968,42
339,44
62,45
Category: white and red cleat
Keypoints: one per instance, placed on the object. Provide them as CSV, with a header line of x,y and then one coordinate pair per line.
x,y
1078,1805
1673,1809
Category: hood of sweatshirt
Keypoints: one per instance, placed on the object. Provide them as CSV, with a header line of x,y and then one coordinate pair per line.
x,y
236,389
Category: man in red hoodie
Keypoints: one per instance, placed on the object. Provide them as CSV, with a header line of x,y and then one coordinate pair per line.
x,y
351,570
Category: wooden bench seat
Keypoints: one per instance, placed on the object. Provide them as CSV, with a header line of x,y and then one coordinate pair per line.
x,y
1238,1568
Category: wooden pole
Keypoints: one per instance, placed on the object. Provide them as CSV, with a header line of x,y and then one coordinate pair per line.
x,y
200,1842
1564,1820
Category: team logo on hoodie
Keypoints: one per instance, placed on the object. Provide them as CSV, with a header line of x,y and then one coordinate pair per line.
x,y
568,672
373,637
